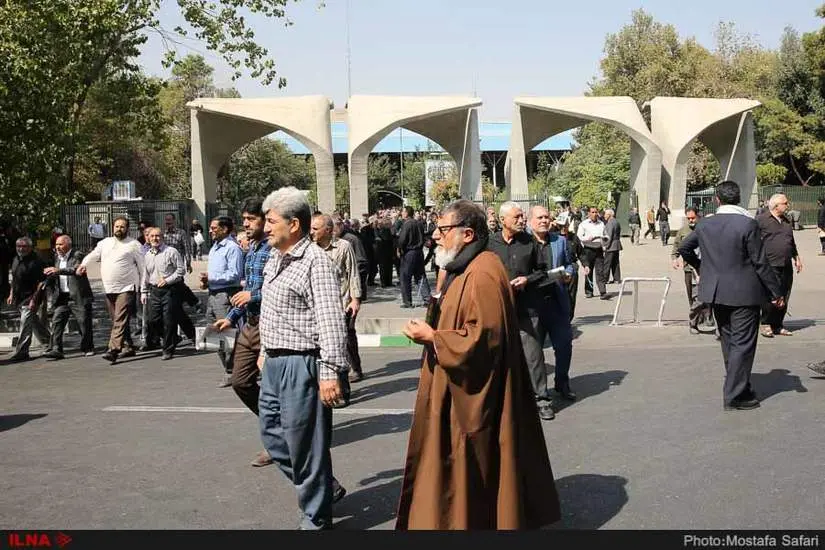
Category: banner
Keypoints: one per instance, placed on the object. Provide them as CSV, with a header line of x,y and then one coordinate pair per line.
x,y
436,170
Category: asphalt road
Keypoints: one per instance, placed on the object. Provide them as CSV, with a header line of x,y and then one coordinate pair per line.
x,y
646,446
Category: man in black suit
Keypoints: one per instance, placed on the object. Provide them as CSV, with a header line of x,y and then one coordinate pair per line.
x,y
70,293
736,279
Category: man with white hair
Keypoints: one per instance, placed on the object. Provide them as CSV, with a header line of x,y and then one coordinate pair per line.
x,y
780,248
303,355
71,293
26,275
528,275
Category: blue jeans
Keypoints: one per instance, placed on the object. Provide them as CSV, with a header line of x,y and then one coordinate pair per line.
x,y
296,431
556,321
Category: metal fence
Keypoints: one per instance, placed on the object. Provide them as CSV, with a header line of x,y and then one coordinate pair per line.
x,y
801,199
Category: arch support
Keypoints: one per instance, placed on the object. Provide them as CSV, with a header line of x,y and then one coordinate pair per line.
x,y
725,126
536,119
220,126
452,122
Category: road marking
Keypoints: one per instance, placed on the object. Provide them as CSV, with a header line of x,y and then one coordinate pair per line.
x,y
238,410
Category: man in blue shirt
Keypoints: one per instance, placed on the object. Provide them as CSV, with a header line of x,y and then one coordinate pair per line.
x,y
223,280
246,312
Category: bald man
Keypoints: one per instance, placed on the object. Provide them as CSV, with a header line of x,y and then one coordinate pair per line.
x,y
72,294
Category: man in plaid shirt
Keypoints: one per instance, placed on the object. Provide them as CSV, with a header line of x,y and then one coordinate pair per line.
x,y
246,307
303,353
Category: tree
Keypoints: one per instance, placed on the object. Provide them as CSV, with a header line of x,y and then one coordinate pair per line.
x,y
56,51
263,166
770,174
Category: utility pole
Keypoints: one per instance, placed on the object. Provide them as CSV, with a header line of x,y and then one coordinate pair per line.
x,y
401,141
349,54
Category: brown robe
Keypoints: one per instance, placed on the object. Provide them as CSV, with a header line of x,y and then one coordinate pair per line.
x,y
477,458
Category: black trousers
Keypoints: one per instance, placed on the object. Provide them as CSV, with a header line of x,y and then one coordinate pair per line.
x,y
738,332
572,291
412,264
187,296
385,266
82,312
594,259
772,315
353,356
165,311
611,266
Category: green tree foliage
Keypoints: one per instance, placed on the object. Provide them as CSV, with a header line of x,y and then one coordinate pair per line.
x,y
263,166
770,174
56,51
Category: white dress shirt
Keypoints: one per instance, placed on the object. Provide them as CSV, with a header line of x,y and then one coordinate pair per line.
x,y
63,262
121,264
591,233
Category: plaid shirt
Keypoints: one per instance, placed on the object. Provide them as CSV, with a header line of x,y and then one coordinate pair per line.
x,y
180,241
301,307
256,259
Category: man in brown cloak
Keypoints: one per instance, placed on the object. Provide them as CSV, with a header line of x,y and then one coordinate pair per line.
x,y
476,458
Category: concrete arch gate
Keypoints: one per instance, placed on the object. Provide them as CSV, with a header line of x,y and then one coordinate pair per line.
x,y
452,122
220,126
538,118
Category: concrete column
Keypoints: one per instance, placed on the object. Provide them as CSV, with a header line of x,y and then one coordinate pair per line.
x,y
470,184
515,167
204,173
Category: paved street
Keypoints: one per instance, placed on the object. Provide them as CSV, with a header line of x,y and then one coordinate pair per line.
x,y
151,444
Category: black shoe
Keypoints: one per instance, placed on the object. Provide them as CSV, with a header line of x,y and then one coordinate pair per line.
x,y
111,356
565,393
406,306
19,358
742,405
148,347
130,352
167,356
338,491
356,376
546,412
604,297
53,354
588,295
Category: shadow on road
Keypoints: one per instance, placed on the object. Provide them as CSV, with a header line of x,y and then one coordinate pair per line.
x,y
359,429
12,421
373,502
588,501
396,367
776,381
800,324
374,391
592,319
588,385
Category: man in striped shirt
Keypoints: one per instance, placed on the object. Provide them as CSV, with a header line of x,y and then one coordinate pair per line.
x,y
245,312
303,354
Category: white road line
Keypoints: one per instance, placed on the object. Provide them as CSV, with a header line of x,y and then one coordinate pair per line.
x,y
237,410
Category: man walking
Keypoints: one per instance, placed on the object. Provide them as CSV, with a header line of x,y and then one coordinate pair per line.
x,y
303,356
181,241
820,224
698,312
245,313
410,250
476,457
634,222
222,280
343,257
71,293
592,237
97,232
612,247
527,272
163,272
663,217
735,276
783,257
556,322
26,276
121,267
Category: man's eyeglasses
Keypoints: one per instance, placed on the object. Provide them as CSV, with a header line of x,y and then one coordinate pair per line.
x,y
444,229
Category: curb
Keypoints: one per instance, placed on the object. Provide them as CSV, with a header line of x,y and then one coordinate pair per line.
x,y
384,341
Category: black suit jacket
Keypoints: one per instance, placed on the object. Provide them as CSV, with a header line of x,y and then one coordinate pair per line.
x,y
80,289
734,270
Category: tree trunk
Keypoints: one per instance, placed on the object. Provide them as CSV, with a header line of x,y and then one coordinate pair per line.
x,y
804,182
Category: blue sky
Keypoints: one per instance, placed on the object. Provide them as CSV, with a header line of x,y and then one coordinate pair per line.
x,y
497,49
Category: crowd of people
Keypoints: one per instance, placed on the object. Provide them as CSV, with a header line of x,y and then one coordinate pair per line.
x,y
291,284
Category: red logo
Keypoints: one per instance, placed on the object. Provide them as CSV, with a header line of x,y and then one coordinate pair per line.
x,y
37,540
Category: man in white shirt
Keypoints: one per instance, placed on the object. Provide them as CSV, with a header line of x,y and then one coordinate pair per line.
x,y
592,236
121,268
97,232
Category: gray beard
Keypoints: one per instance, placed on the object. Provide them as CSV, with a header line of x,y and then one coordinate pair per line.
x,y
444,257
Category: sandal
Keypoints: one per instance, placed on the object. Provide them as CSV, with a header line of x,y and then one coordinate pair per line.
x,y
785,332
767,332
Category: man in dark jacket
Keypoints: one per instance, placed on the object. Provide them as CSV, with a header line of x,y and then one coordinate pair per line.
x,y
69,293
527,270
411,253
27,274
663,217
820,224
736,279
